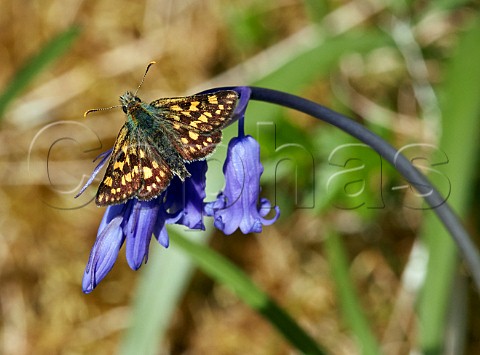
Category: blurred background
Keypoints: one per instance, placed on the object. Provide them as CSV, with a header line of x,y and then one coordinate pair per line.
x,y
356,259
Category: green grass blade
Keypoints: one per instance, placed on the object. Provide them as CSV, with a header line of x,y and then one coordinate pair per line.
x,y
223,271
460,110
51,51
349,303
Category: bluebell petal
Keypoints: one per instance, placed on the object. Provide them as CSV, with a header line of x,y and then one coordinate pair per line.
x,y
110,213
164,218
105,156
265,208
160,233
244,93
193,193
138,231
104,254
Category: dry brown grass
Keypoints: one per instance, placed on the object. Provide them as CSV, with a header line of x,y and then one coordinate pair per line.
x,y
45,237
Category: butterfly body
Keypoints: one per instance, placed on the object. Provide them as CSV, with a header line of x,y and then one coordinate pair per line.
x,y
146,121
157,140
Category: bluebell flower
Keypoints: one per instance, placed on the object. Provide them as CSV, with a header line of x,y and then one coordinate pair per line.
x,y
134,222
239,205
187,197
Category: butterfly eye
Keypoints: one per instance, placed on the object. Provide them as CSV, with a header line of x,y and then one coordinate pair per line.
x,y
137,99
124,108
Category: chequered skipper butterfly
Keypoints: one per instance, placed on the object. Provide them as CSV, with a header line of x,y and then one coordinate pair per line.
x,y
157,140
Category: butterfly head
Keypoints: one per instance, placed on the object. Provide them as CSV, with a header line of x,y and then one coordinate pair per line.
x,y
128,100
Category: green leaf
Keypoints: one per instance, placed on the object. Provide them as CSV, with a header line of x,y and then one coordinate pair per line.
x,y
460,109
349,302
226,273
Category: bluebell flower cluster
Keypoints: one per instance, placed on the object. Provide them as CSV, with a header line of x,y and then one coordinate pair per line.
x,y
238,206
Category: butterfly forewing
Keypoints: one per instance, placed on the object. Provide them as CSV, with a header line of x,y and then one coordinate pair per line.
x,y
199,113
197,121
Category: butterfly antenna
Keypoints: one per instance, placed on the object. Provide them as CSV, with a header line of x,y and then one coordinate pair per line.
x,y
100,109
109,108
144,75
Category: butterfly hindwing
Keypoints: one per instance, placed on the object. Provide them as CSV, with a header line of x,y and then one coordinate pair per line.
x,y
155,172
135,169
122,178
